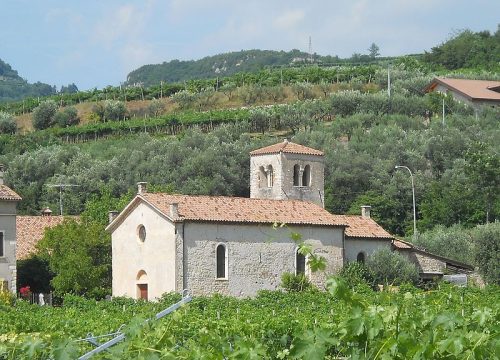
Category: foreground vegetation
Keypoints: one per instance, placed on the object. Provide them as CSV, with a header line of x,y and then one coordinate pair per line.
x,y
444,323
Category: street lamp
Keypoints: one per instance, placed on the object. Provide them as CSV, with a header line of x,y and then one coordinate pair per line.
x,y
413,191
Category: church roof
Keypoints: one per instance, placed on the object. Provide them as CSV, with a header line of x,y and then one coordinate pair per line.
x,y
363,227
287,147
6,193
242,210
30,230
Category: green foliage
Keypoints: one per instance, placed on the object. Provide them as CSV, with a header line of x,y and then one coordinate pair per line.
x,y
43,115
487,240
79,254
67,117
110,110
391,268
445,323
355,274
295,282
453,242
7,123
467,49
35,273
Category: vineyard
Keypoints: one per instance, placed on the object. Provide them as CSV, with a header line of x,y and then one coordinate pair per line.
x,y
446,323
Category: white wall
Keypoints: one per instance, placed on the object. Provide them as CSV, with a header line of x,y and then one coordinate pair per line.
x,y
156,256
353,246
8,270
257,256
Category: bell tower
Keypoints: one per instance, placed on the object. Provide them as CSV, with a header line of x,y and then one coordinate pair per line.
x,y
287,171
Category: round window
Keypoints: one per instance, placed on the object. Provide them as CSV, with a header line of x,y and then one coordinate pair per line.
x,y
141,233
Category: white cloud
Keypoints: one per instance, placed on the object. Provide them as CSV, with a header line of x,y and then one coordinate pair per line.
x,y
289,19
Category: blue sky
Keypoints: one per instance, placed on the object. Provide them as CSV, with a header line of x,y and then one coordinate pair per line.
x,y
96,43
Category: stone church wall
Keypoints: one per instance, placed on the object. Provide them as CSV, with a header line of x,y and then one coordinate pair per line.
x,y
257,256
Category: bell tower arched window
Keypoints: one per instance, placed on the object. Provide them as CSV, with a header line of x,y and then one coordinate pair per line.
x,y
296,175
270,176
306,176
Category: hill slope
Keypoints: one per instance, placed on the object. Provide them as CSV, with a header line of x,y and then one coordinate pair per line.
x,y
220,65
14,87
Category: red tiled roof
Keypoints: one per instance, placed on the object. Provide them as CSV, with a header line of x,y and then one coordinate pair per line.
x,y
399,244
6,193
363,227
287,147
473,89
243,210
30,230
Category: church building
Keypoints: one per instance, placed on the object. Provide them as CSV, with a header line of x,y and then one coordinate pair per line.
x,y
228,245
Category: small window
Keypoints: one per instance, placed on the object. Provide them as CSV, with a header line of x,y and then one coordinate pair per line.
x,y
296,175
306,176
221,262
300,263
2,245
361,258
141,233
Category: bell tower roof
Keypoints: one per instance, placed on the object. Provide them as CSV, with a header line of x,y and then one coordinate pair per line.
x,y
287,147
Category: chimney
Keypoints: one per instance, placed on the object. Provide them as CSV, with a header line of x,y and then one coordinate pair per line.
x,y
365,211
174,210
142,187
112,216
285,140
2,169
46,212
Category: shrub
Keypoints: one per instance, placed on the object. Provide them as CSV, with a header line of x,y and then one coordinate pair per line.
x,y
355,273
7,123
67,117
392,268
487,240
294,283
43,115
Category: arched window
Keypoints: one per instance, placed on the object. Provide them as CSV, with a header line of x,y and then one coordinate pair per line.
x,y
361,258
221,261
306,176
300,263
262,177
270,176
296,175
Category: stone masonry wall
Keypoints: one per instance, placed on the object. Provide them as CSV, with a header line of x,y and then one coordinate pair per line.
x,y
257,256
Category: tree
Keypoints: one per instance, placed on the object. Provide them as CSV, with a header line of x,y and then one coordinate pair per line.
x,y
43,115
487,240
391,268
79,254
7,123
373,51
67,117
35,273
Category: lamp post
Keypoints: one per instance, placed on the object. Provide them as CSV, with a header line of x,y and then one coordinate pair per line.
x,y
413,192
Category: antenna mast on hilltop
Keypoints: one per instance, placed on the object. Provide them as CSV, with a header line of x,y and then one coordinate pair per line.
x,y
61,187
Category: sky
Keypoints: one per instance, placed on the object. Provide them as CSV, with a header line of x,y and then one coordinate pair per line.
x,y
95,43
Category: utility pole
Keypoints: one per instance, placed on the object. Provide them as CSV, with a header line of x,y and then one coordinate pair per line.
x,y
443,111
389,81
161,89
61,187
413,193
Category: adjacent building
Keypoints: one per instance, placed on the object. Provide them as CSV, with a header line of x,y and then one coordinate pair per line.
x,y
476,93
8,209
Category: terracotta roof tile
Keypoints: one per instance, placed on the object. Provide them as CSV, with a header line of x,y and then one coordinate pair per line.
x,y
287,147
6,193
362,227
30,230
398,244
243,210
474,89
